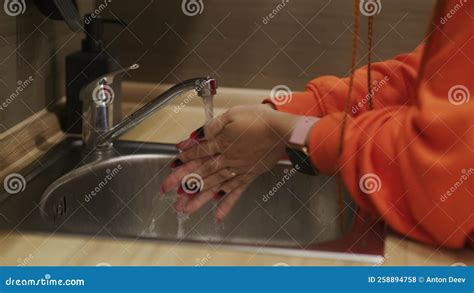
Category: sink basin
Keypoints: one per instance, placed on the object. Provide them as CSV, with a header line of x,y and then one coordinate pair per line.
x,y
282,212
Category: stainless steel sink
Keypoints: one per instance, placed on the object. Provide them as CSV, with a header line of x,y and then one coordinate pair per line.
x,y
282,212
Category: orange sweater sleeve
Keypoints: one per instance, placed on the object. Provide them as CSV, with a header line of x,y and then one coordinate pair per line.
x,y
413,163
393,83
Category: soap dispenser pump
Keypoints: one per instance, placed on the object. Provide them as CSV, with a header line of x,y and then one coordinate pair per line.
x,y
86,65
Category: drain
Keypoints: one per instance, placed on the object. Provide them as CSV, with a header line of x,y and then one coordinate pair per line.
x,y
60,208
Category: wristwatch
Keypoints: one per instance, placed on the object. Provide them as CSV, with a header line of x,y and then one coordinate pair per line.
x,y
297,151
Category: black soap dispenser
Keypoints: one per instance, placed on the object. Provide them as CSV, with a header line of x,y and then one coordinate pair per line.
x,y
86,65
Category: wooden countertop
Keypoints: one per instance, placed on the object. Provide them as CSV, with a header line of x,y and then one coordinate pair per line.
x,y
171,125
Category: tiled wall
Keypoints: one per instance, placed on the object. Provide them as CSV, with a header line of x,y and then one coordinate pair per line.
x,y
32,50
232,41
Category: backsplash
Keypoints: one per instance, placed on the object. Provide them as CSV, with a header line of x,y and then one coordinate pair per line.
x,y
258,43
252,44
32,50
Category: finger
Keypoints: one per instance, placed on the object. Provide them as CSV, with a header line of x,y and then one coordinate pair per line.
x,y
199,200
211,166
233,190
217,178
180,202
204,149
186,144
174,179
215,126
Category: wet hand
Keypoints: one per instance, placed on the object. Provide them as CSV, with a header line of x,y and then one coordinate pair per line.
x,y
223,158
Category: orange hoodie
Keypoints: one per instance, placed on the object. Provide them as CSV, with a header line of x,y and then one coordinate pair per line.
x,y
411,159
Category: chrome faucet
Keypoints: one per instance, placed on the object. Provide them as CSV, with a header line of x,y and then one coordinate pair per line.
x,y
98,131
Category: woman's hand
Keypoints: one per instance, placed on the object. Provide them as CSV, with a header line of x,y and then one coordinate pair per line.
x,y
227,154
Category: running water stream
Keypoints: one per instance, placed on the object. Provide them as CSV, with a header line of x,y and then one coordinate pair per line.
x,y
208,103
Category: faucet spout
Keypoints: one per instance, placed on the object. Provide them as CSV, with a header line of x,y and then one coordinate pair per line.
x,y
98,129
204,86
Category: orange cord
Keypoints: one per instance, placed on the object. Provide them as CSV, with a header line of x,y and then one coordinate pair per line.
x,y
355,48
370,26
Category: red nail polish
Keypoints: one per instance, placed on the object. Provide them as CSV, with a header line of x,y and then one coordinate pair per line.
x,y
198,133
176,163
219,195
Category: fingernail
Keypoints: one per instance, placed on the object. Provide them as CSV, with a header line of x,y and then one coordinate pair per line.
x,y
219,195
162,190
186,143
176,163
198,133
